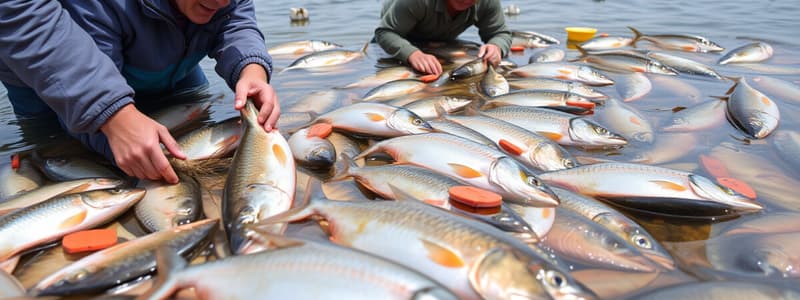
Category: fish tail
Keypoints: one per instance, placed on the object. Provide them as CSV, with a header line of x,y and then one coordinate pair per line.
x,y
168,263
347,163
636,35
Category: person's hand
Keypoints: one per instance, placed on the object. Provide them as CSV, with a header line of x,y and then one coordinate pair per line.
x,y
253,83
491,54
135,141
425,63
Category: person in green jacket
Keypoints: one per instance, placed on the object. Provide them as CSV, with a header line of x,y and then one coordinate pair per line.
x,y
404,21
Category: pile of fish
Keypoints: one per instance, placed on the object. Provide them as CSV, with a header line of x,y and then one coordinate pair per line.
x,y
582,168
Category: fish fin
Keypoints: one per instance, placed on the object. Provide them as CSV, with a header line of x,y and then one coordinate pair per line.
x,y
766,101
74,220
299,51
471,110
635,120
346,164
436,202
547,212
301,210
375,117
364,49
80,188
669,185
9,264
442,256
581,50
565,71
554,136
689,48
441,113
509,147
464,171
168,264
226,144
639,69
636,36
279,153
271,240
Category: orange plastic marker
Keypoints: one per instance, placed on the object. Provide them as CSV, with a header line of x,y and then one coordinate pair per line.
x,y
517,48
739,186
429,78
320,130
714,166
475,197
89,240
15,161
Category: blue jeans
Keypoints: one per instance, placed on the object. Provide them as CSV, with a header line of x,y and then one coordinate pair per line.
x,y
27,104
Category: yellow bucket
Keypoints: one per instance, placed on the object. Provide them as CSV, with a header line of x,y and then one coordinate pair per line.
x,y
580,34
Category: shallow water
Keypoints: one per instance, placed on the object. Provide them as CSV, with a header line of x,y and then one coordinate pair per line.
x,y
728,23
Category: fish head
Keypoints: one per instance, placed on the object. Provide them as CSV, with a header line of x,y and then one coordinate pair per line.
x,y
551,157
588,132
659,68
407,122
454,103
70,282
509,274
591,75
760,123
474,67
520,184
115,197
722,195
709,46
771,261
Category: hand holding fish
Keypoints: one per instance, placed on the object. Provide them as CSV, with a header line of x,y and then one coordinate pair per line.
x,y
253,84
425,63
491,54
137,149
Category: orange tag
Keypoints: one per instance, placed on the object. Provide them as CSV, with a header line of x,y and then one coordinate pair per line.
x,y
429,78
320,130
713,166
586,105
475,197
509,147
517,48
737,185
15,161
89,240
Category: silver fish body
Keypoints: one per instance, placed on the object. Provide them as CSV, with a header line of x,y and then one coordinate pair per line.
x,y
689,43
530,39
751,111
375,119
564,71
540,98
706,115
779,88
215,140
426,108
627,121
383,76
301,270
684,65
48,191
653,188
394,89
260,182
606,43
493,83
311,151
774,255
474,67
122,262
17,181
72,168
166,205
325,58
557,85
302,47
626,61
750,53
633,86
453,128
547,55
470,162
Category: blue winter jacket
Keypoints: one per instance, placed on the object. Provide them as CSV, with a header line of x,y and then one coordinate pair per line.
x,y
153,51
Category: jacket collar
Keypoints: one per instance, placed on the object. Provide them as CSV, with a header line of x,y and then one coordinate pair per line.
x,y
162,9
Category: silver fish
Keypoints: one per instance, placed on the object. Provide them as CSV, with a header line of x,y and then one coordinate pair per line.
x,y
610,218
564,71
775,255
326,58
606,42
474,67
633,86
299,269
684,65
751,111
180,116
302,47
122,262
578,238
494,84
652,188
444,126
260,182
557,85
394,89
781,89
48,191
626,61
530,39
16,181
318,102
217,140
540,98
547,55
627,121
383,76
563,128
426,108
750,53
706,115
689,43
74,167
291,121
474,260
470,162
313,152
375,119
166,206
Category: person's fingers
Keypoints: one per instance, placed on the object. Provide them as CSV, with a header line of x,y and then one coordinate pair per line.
x,y
273,118
437,67
240,96
163,168
170,143
482,51
264,110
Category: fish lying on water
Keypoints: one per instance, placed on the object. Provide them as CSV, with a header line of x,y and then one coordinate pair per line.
x,y
750,53
689,43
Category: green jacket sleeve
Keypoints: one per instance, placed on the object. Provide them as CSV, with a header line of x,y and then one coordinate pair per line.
x,y
492,26
399,18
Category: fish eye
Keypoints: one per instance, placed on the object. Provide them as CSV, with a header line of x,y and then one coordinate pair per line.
x,y
115,191
416,121
555,279
568,163
533,181
601,130
77,276
641,241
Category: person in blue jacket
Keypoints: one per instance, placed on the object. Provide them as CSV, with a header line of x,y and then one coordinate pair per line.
x,y
49,63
